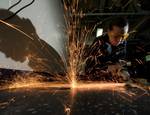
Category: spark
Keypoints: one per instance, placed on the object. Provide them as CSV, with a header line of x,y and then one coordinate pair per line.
x,y
10,25
121,88
73,83
67,110
39,41
32,83
7,103
76,37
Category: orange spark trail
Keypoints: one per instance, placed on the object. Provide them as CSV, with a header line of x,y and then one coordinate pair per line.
x,y
16,29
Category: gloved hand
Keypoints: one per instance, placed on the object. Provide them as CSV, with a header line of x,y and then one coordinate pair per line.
x,y
124,74
113,69
119,71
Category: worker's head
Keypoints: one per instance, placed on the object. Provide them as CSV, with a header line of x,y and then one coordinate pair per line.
x,y
117,30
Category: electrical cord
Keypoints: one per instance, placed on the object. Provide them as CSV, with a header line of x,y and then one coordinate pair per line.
x,y
11,16
14,5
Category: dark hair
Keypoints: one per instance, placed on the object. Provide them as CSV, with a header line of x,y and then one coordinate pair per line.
x,y
118,21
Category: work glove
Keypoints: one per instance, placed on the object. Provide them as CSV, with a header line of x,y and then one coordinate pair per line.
x,y
119,71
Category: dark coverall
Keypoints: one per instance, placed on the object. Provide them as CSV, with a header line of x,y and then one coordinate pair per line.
x,y
101,53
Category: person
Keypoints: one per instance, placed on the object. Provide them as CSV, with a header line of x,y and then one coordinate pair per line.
x,y
107,52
